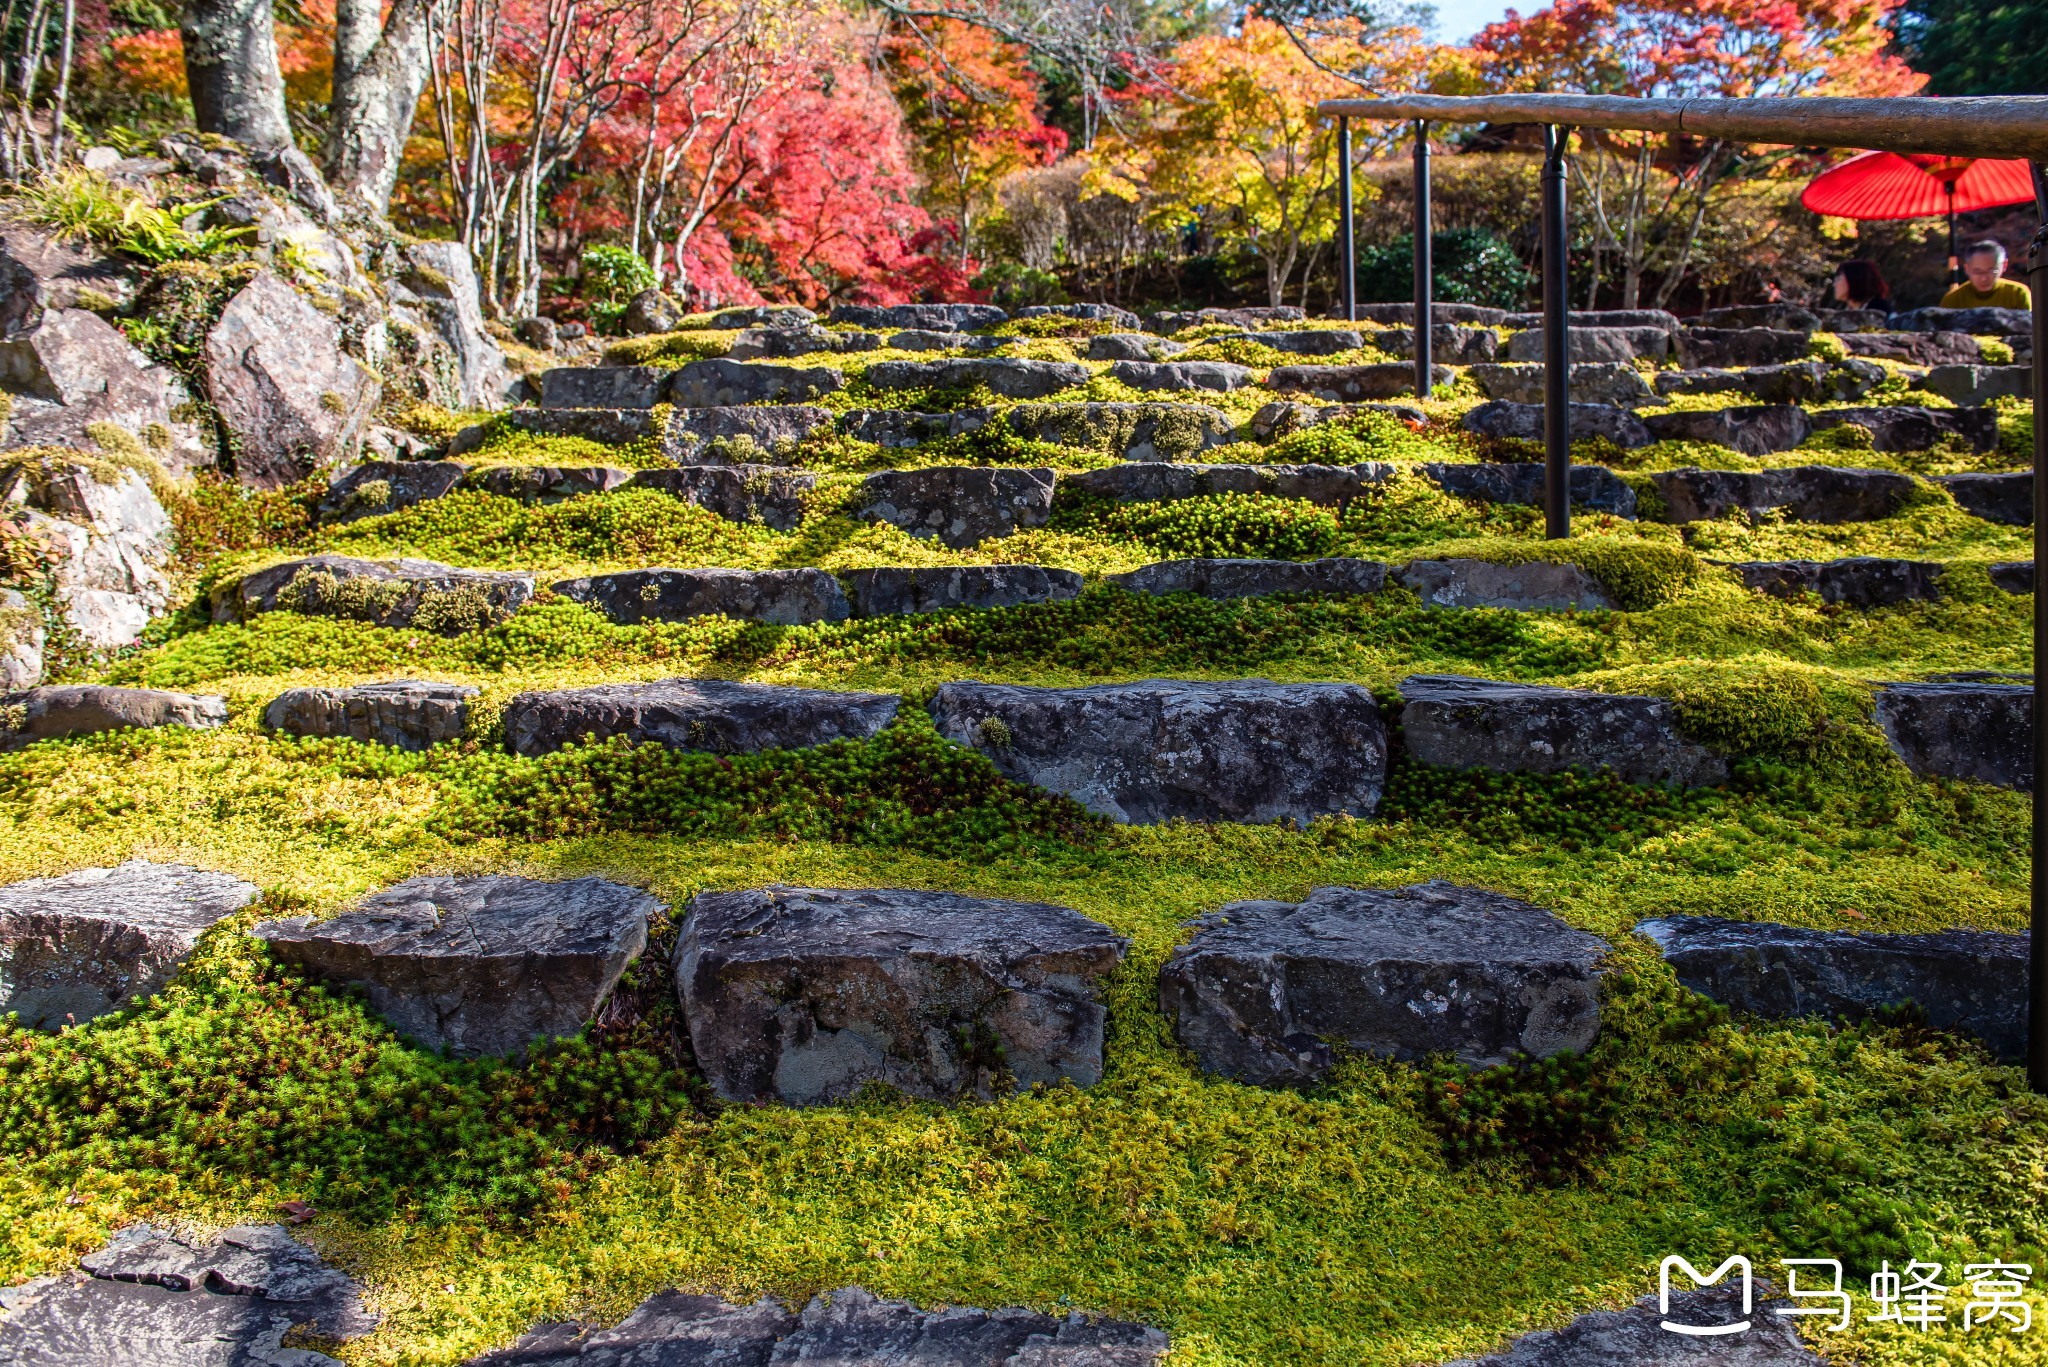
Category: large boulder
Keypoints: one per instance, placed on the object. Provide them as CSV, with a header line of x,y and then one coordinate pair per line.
x,y
1900,428
1971,385
603,386
1807,493
1246,750
765,494
883,592
1460,723
1962,729
1915,348
728,384
43,271
695,714
1008,376
739,436
961,505
62,711
452,360
650,312
547,483
112,537
479,965
1264,990
1592,486
1160,482
902,428
1224,579
1615,383
1131,431
935,317
388,593
1859,581
1532,586
83,944
1753,429
805,995
290,399
407,714
2007,496
153,1298
1612,345
1702,348
74,373
784,597
377,487
1350,383
1636,1337
1969,980
1181,376
1524,422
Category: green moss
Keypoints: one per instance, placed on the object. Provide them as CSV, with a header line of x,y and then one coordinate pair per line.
x,y
1638,571
1746,706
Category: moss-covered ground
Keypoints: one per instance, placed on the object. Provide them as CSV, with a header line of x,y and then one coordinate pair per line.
x,y
1394,1215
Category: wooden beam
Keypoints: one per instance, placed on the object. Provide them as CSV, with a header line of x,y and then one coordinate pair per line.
x,y
2013,126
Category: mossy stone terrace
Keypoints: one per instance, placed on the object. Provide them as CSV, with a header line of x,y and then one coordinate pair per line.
x,y
1386,1213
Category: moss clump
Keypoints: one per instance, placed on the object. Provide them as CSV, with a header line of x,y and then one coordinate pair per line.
x,y
1746,707
676,348
1226,525
178,305
1637,572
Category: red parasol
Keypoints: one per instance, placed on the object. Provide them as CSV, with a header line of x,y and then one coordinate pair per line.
x,y
1891,185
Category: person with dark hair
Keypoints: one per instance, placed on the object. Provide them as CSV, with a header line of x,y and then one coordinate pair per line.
x,y
1983,265
1859,285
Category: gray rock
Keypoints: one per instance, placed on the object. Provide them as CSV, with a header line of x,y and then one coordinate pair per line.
x,y
1978,731
377,487
695,714
1350,383
1524,422
1860,581
607,426
1984,322
1971,385
1615,383
1306,342
538,333
738,493
547,483
1611,345
388,593
1223,579
157,1299
739,436
729,384
1132,431
784,597
1917,348
1133,346
1777,317
1181,376
22,637
1636,1337
764,315
805,995
1659,319
780,341
1460,723
1592,486
1246,750
1792,382
602,386
1439,314
87,943
42,271
936,317
883,592
1702,348
1535,586
292,402
1754,430
1264,990
1855,320
481,966
1008,376
113,541
900,429
1283,418
1898,428
1160,482
1969,980
961,505
1095,313
457,363
62,711
1808,493
75,371
917,339
2014,576
1171,321
650,312
1447,345
408,714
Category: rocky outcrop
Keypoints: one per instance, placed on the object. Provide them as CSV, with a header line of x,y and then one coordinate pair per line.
x,y
1181,376
64,711
960,505
407,714
74,372
1158,482
1592,486
1901,428
1754,430
884,592
1265,989
448,356
1617,384
1132,431
784,597
1807,493
1978,731
1705,348
1968,980
728,384
695,714
42,272
112,539
83,944
290,399
1610,345
610,386
1860,581
1247,750
738,493
935,317
1350,383
1008,376
1224,579
387,593
377,487
1532,586
805,995
1636,1337
1460,723
1971,385
1524,422
481,966
739,436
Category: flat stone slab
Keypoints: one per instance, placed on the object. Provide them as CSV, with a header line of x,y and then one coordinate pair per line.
x,y
1181,376
1636,1337
1825,494
1524,422
1617,384
1447,345
900,428
1971,385
1900,427
388,593
766,494
1161,482
890,591
1988,322
1662,319
1439,314
1284,417
1132,431
1224,579
805,995
1534,586
729,384
62,711
1753,429
960,505
1782,317
775,340
1351,383
1455,722
610,386
1592,486
1969,980
152,1298
1859,581
1915,348
936,317
695,714
2014,576
480,965
410,714
1011,377
764,315
377,487
2005,497
739,436
1980,731
783,597
1133,346
1246,750
922,339
609,426
1789,382
1093,312
1734,348
83,944
1265,989
1608,344
1170,320
547,483
847,1326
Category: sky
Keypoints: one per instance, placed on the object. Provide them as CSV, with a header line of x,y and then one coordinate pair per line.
x,y
1457,20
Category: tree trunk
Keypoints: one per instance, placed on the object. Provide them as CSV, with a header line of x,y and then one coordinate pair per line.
x,y
231,67
380,69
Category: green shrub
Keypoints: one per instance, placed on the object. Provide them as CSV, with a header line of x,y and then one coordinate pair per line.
x,y
1470,266
1013,285
611,277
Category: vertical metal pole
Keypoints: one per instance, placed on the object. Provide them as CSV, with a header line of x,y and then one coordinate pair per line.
x,y
1557,348
2037,977
1425,284
1347,250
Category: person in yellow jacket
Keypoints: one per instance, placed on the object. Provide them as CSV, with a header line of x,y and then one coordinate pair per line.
x,y
1983,263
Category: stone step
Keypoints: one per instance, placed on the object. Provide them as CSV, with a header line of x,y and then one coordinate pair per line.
x,y
1181,376
1592,486
691,431
766,494
1985,322
1915,348
1130,431
391,593
763,315
1098,313
1252,318
1900,427
1439,314
2005,497
1961,728
1133,346
1754,430
934,317
917,339
1971,385
606,426
64,711
1305,342
1610,344
695,714
1788,382
1265,989
1702,348
896,590
1010,377
1824,494
731,384
959,505
777,342
1448,345
1285,417
607,387
1524,422
782,597
1778,317
377,487
409,714
2014,576
1661,319
1533,586
1615,383
1455,722
802,996
1860,581
1162,482
1227,579
1351,383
